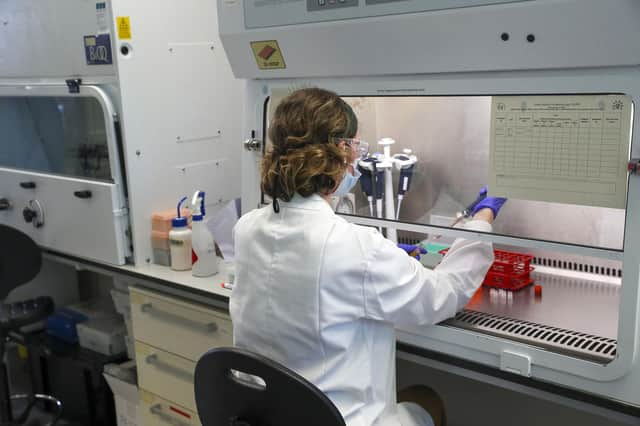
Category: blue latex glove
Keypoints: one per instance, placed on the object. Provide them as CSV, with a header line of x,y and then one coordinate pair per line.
x,y
413,250
493,203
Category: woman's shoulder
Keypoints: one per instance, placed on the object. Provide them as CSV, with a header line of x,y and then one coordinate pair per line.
x,y
366,236
250,217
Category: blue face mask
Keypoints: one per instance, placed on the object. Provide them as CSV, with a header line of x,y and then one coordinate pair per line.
x,y
347,183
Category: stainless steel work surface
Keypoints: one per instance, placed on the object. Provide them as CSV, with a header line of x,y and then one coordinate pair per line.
x,y
570,301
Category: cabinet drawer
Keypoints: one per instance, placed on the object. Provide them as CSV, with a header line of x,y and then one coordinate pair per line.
x,y
183,328
156,411
166,375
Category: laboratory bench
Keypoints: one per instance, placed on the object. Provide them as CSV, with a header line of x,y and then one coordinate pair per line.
x,y
177,317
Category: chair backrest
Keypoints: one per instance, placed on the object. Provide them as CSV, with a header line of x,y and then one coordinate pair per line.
x,y
285,398
20,259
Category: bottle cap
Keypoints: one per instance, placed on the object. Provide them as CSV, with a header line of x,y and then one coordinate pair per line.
x,y
197,205
179,222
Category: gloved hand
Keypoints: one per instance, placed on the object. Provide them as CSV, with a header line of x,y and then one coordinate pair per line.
x,y
493,203
413,250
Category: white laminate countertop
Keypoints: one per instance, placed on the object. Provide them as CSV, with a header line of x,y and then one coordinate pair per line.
x,y
182,280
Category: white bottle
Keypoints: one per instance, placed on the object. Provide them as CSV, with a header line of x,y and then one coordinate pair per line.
x,y
205,261
180,242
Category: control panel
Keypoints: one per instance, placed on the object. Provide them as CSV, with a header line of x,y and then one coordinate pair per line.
x,y
329,4
273,13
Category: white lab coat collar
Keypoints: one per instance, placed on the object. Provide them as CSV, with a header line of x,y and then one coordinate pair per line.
x,y
313,202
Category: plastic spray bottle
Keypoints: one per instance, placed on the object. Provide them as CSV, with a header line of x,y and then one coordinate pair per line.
x,y
205,261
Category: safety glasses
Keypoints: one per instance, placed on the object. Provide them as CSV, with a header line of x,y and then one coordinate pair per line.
x,y
360,147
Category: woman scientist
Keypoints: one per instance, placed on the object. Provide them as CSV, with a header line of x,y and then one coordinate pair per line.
x,y
321,295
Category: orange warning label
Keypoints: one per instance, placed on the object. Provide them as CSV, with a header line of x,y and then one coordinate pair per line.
x,y
268,55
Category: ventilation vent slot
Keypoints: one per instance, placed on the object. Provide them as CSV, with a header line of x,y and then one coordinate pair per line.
x,y
552,338
407,240
578,267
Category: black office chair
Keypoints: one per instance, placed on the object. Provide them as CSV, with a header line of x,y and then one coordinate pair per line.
x,y
20,262
284,399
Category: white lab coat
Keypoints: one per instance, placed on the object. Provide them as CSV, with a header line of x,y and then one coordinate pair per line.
x,y
321,296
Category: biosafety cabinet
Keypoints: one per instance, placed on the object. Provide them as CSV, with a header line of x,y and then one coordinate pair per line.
x,y
110,111
535,99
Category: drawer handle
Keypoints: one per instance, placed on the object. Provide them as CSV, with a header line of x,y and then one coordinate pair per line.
x,y
154,360
210,327
156,410
83,194
5,204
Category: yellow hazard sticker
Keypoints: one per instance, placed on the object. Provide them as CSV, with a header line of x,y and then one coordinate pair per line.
x,y
23,353
124,27
268,55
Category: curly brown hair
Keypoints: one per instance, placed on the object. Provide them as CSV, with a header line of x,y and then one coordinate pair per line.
x,y
304,158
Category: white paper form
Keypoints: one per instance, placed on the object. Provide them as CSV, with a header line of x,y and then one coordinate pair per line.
x,y
565,149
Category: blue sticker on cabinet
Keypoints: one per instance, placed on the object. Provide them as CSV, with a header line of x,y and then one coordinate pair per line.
x,y
97,49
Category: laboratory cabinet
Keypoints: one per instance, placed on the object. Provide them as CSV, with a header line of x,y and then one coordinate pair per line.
x,y
166,374
60,158
171,334
178,326
109,115
477,95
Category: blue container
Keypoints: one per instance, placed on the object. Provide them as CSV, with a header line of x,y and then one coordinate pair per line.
x,y
62,324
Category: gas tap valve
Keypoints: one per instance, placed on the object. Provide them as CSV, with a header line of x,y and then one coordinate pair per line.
x,y
33,213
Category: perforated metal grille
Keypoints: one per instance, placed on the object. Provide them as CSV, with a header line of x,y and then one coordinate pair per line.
x,y
591,267
556,339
